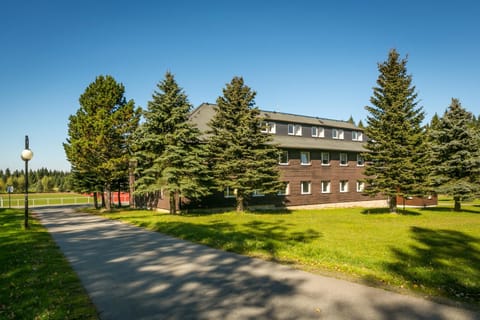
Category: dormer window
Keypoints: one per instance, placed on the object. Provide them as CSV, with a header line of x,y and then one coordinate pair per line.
x,y
357,136
318,132
294,129
268,127
337,134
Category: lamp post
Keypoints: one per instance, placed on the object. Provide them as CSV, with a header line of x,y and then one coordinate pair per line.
x,y
26,156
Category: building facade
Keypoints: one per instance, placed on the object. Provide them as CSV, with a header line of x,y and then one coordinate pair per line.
x,y
321,163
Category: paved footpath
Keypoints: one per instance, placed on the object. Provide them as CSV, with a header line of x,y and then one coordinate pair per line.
x,y
131,273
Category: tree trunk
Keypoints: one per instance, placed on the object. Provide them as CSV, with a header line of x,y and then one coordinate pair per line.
x,y
103,199
95,199
392,202
108,198
119,200
458,204
173,205
240,203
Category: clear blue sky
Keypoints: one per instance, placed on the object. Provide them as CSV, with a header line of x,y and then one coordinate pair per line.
x,y
314,58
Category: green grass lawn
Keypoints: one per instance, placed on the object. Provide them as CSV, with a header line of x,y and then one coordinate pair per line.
x,y
433,252
36,281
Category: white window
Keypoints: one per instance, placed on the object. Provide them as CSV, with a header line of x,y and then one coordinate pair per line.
x,y
357,136
343,159
337,133
304,158
360,160
285,190
269,127
360,186
305,187
294,129
343,185
298,130
229,193
283,157
257,193
318,132
325,158
325,186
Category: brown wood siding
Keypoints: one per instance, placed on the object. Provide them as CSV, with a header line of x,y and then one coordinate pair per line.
x,y
418,201
294,173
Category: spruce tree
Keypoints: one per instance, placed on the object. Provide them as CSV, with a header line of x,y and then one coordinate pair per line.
x,y
170,156
454,154
243,158
396,157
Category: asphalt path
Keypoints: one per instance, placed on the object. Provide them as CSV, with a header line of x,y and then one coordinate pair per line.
x,y
132,273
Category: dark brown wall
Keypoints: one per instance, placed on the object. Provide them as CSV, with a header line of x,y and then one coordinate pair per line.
x,y
294,173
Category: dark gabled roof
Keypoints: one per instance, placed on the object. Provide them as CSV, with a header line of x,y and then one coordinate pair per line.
x,y
202,115
316,121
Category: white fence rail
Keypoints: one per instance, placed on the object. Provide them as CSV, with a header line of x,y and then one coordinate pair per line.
x,y
5,202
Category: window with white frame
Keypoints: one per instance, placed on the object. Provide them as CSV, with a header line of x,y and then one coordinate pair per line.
x,y
283,157
325,186
325,158
360,160
229,193
304,158
269,127
343,159
257,193
360,186
318,132
343,185
337,133
305,187
357,136
294,129
285,191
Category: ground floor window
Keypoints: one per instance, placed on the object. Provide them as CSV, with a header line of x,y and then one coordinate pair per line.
x,y
344,186
305,187
229,193
325,186
360,186
285,190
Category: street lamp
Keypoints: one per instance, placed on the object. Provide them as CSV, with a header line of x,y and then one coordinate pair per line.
x,y
26,156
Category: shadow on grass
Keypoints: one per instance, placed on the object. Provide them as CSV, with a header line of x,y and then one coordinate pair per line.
x,y
450,209
254,236
400,211
442,261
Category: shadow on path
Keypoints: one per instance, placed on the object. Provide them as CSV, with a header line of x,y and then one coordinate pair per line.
x,y
131,273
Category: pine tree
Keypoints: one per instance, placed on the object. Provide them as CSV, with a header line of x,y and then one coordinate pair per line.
x,y
99,135
243,158
454,154
171,157
397,154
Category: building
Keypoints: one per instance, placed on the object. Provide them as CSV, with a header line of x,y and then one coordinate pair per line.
x,y
321,163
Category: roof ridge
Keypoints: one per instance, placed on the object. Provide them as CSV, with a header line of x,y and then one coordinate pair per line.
x,y
301,115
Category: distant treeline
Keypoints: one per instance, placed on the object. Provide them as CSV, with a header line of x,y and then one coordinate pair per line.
x,y
41,180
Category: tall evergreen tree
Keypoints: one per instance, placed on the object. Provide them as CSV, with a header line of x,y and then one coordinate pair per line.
x,y
397,154
99,135
454,154
170,155
243,158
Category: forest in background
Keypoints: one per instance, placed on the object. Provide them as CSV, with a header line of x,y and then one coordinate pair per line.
x,y
40,180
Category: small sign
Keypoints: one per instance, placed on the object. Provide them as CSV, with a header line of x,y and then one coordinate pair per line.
x,y
10,189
